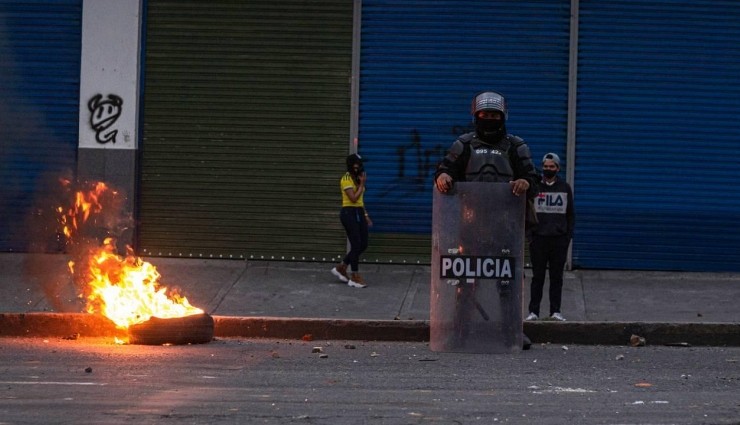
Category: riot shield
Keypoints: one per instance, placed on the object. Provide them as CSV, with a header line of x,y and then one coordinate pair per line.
x,y
477,269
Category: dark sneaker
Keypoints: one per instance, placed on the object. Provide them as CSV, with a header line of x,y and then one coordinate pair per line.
x,y
526,342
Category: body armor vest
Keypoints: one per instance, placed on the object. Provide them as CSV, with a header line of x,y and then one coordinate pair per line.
x,y
489,163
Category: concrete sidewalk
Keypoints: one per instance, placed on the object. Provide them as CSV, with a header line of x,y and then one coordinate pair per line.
x,y
289,299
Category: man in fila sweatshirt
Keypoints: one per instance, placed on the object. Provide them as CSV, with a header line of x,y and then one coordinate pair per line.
x,y
548,247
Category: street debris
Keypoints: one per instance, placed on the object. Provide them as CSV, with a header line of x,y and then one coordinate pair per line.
x,y
638,402
88,370
317,350
349,347
620,357
643,385
559,390
637,341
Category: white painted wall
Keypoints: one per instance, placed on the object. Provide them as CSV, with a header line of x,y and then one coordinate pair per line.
x,y
109,74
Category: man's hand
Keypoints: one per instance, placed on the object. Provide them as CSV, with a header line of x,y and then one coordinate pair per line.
x,y
519,186
443,182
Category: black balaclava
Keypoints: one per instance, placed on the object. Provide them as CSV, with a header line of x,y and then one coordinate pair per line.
x,y
490,131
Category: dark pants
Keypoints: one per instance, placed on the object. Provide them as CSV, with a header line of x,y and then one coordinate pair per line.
x,y
547,252
353,220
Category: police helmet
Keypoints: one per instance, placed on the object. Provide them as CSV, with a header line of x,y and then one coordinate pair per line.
x,y
489,101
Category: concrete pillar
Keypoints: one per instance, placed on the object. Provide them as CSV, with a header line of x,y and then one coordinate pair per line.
x,y
110,97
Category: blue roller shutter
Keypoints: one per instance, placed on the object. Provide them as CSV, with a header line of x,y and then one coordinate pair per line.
x,y
39,98
657,136
421,64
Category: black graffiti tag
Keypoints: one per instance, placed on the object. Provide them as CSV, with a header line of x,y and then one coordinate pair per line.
x,y
103,114
423,158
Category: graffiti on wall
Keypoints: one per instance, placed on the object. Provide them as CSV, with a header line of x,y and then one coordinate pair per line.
x,y
404,179
103,115
415,165
422,161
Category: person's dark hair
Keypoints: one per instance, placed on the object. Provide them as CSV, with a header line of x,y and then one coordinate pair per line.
x,y
352,160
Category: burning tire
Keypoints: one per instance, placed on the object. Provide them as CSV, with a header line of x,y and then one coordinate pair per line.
x,y
195,329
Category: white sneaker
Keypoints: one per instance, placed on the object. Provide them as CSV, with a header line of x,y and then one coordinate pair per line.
x,y
356,281
557,316
340,272
531,317
354,284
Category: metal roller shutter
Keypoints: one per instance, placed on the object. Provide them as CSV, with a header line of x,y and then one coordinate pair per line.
x,y
39,98
246,127
421,63
658,101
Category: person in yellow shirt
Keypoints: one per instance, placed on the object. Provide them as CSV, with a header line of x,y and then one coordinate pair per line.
x,y
355,220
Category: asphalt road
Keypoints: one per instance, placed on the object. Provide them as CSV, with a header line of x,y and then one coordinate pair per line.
x,y
251,381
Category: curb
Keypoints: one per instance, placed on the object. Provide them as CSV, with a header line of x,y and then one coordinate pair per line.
x,y
328,329
586,333
60,325
619,333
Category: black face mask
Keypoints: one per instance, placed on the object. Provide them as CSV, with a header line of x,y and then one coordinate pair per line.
x,y
490,130
549,173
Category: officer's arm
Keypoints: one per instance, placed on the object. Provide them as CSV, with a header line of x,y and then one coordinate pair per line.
x,y
524,169
452,163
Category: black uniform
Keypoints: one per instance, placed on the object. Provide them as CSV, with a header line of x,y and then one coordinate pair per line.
x,y
550,240
503,160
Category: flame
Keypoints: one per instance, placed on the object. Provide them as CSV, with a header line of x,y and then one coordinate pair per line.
x,y
124,289
85,204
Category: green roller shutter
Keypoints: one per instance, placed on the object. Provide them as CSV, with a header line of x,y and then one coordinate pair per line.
x,y
246,126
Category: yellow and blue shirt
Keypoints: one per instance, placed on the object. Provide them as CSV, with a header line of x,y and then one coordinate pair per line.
x,y
347,183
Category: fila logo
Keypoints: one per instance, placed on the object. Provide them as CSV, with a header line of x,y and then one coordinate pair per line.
x,y
551,199
551,203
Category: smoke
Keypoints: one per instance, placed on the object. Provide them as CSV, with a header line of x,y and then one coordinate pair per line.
x,y
76,219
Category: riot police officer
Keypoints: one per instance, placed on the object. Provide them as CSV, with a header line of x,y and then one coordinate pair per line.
x,y
489,154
